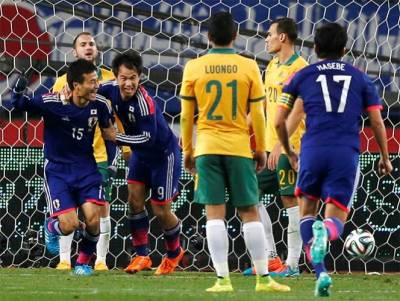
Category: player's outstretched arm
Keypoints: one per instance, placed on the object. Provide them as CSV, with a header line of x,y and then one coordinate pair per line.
x,y
20,100
18,96
378,128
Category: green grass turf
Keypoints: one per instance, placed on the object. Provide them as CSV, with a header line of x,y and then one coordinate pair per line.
x,y
49,284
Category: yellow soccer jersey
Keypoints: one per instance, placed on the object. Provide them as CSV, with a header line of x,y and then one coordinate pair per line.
x,y
276,75
224,85
100,153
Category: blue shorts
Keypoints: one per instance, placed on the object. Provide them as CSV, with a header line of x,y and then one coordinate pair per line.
x,y
331,173
159,175
68,186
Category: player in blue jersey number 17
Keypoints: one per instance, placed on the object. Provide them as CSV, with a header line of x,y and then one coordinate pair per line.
x,y
71,177
333,95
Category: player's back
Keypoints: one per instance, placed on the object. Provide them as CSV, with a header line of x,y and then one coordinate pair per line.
x,y
334,95
224,83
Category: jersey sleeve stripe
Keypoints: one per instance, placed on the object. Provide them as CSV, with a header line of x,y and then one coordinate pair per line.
x,y
187,97
136,139
374,107
257,99
51,97
144,111
148,102
104,100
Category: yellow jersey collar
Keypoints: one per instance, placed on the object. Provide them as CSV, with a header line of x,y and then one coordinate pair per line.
x,y
222,50
289,61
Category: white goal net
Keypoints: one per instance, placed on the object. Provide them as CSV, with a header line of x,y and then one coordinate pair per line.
x,y
37,36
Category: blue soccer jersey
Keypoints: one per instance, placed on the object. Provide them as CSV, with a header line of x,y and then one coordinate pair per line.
x,y
146,130
156,157
68,129
71,177
334,96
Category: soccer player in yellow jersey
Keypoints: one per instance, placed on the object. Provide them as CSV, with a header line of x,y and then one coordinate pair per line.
x,y
223,85
84,47
279,176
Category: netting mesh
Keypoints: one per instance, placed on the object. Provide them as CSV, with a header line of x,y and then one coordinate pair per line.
x,y
36,36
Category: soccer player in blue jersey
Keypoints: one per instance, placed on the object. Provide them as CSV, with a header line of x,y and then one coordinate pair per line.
x,y
71,177
155,163
333,95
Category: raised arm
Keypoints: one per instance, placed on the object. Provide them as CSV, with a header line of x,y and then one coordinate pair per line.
x,y
23,102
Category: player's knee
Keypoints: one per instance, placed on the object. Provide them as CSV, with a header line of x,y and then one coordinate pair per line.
x,y
92,221
135,204
289,201
248,214
68,226
161,212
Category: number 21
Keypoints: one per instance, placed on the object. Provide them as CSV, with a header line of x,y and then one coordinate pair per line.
x,y
345,90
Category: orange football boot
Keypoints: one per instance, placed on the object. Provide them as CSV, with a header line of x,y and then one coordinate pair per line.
x,y
274,265
168,265
139,263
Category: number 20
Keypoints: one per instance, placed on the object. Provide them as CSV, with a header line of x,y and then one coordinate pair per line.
x,y
345,90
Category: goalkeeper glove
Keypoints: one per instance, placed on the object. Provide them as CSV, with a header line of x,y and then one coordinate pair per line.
x,y
112,172
21,84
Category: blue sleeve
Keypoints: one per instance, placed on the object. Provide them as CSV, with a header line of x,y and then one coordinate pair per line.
x,y
23,102
148,129
290,86
290,92
371,99
105,89
112,151
146,122
105,114
106,119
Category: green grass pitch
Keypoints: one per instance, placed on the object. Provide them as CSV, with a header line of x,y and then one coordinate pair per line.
x,y
49,284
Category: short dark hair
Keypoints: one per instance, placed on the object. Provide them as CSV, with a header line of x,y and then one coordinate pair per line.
x,y
330,39
130,59
83,33
77,69
287,26
222,28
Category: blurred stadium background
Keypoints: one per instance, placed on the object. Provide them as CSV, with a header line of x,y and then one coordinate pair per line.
x,y
36,36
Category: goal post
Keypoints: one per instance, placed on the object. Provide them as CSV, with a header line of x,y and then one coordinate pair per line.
x,y
36,37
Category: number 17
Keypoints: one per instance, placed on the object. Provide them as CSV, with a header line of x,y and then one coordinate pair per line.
x,y
345,90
